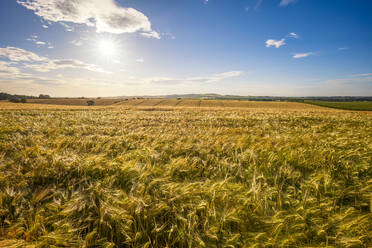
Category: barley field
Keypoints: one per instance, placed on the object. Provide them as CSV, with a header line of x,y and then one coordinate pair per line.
x,y
185,173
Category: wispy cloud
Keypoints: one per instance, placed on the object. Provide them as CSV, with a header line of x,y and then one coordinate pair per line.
x,y
302,55
258,4
34,38
6,69
293,35
205,79
286,2
18,54
104,15
64,63
43,64
343,48
140,60
275,43
151,34
77,42
362,75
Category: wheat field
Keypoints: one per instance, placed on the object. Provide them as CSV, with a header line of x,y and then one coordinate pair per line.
x,y
185,173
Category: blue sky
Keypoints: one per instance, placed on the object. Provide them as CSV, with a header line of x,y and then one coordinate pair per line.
x,y
139,47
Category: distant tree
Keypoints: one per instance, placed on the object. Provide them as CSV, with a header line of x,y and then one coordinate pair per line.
x,y
23,100
14,100
90,103
42,96
99,97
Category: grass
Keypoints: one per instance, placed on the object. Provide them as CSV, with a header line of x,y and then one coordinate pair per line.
x,y
361,106
122,176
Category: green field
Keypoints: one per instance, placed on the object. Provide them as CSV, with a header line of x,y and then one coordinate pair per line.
x,y
269,175
361,106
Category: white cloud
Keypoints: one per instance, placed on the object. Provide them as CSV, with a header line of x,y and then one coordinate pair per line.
x,y
50,47
293,35
43,64
286,2
44,26
18,54
34,38
169,35
68,28
343,48
64,63
7,70
77,42
151,34
140,60
258,4
104,15
206,79
276,43
362,75
302,55
350,81
216,77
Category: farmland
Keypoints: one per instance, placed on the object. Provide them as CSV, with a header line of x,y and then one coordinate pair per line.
x,y
356,105
184,173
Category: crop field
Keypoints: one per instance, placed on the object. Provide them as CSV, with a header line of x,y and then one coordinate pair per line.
x,y
185,173
361,106
74,101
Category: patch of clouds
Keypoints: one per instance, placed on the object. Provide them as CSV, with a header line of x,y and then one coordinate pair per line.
x,y
140,60
302,55
286,2
64,63
275,43
18,54
7,70
103,15
34,38
67,27
44,26
342,48
43,64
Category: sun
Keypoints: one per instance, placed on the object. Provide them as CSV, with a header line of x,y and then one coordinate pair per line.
x,y
107,47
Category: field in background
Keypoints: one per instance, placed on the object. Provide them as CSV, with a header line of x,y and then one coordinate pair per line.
x,y
203,103
361,106
174,103
74,101
241,174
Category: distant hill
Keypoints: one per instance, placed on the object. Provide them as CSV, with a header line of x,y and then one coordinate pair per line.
x,y
212,96
258,98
